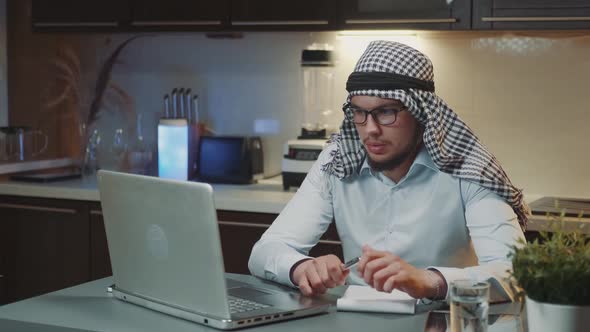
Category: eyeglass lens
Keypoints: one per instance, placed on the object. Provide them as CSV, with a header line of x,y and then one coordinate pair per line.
x,y
383,116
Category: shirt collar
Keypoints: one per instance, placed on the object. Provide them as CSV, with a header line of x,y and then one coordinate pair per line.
x,y
422,158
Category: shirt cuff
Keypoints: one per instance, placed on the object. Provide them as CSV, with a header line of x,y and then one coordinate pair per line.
x,y
283,272
450,274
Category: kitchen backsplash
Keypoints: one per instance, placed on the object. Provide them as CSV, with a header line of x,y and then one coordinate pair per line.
x,y
524,94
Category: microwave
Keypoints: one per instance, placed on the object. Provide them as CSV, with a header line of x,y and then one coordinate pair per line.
x,y
230,159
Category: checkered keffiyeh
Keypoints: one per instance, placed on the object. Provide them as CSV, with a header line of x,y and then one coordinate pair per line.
x,y
452,145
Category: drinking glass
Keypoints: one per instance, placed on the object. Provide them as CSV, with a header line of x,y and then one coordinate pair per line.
x,y
469,305
91,153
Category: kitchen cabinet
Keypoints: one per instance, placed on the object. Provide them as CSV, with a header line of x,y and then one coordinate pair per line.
x,y
531,14
58,15
239,232
47,248
100,260
179,14
283,15
5,242
418,14
307,15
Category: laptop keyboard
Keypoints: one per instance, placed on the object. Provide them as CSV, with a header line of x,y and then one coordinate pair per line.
x,y
237,305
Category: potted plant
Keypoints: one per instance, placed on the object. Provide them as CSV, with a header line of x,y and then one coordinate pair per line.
x,y
553,273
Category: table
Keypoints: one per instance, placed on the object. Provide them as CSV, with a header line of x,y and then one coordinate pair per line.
x,y
88,307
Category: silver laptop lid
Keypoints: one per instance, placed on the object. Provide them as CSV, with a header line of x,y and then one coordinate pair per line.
x,y
163,240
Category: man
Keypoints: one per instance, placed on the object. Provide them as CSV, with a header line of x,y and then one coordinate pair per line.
x,y
412,191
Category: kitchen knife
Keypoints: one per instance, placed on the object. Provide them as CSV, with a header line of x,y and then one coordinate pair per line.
x,y
195,107
188,102
181,103
174,105
166,106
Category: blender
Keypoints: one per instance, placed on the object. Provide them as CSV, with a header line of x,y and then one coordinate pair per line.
x,y
299,155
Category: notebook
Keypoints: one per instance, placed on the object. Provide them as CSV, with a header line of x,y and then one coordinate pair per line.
x,y
165,251
365,298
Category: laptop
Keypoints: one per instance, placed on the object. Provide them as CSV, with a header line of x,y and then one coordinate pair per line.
x,y
165,250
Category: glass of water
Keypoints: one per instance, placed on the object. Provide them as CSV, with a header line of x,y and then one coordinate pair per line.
x,y
469,305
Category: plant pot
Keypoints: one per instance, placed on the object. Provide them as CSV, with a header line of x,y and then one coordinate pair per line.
x,y
548,317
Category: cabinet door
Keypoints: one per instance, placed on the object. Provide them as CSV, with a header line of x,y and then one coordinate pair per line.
x,y
241,230
283,15
100,260
179,14
49,245
531,14
78,15
417,14
6,229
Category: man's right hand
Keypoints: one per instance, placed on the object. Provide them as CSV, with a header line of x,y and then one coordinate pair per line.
x,y
315,276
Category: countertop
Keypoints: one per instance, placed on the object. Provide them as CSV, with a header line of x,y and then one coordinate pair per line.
x,y
266,196
31,165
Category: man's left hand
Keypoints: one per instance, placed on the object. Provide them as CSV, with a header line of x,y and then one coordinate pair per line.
x,y
385,272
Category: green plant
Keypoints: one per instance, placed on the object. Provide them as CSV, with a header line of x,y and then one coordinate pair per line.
x,y
555,268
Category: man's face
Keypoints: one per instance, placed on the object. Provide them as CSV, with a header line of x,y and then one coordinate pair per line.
x,y
387,145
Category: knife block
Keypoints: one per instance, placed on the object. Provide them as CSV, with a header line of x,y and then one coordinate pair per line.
x,y
174,156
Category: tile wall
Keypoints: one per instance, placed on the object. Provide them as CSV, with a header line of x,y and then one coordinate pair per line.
x,y
524,94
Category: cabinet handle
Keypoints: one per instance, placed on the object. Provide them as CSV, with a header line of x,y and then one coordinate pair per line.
x,y
96,212
536,19
301,22
402,21
37,208
244,224
330,242
253,225
75,24
174,23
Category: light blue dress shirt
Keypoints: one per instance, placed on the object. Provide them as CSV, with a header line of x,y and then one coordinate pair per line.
x,y
429,218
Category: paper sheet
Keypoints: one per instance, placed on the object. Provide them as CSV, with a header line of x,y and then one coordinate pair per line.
x,y
365,298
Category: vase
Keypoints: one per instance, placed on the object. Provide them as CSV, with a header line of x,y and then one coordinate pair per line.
x,y
549,317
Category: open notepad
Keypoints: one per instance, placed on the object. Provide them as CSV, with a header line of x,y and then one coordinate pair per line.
x,y
365,298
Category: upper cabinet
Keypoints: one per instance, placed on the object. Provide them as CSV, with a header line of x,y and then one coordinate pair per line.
x,y
179,14
279,15
307,15
416,14
531,14
78,15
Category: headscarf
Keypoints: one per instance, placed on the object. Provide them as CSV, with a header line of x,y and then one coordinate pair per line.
x,y
391,70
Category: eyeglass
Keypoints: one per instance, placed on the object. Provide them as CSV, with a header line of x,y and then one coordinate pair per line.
x,y
383,116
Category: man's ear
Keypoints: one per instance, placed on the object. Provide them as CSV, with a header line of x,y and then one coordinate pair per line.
x,y
421,129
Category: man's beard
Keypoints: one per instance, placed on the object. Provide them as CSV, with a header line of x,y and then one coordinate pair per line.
x,y
400,158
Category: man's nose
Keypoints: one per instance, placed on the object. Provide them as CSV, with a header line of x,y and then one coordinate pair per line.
x,y
372,127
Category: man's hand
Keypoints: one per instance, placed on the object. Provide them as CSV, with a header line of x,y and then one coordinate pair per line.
x,y
316,275
386,272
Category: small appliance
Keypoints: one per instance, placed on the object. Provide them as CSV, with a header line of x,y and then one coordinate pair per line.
x,y
318,79
298,157
230,159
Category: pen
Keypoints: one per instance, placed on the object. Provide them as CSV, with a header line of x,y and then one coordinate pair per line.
x,y
352,262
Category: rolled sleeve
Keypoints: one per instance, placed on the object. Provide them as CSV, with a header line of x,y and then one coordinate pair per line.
x,y
297,229
494,230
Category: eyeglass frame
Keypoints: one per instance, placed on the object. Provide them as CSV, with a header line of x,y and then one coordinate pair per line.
x,y
374,115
